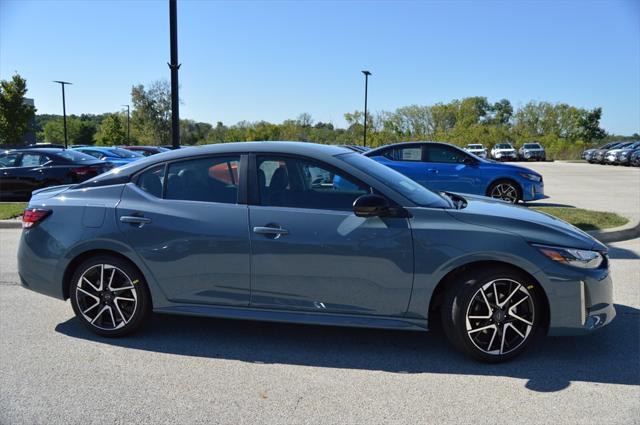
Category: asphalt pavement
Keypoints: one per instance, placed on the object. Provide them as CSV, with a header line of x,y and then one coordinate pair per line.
x,y
184,370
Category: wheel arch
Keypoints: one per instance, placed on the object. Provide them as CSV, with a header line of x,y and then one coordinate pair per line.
x,y
79,258
437,296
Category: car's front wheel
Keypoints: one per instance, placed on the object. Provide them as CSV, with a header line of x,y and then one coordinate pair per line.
x,y
492,314
505,190
109,296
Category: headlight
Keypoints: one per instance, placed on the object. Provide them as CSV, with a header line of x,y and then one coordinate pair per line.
x,y
573,257
623,154
532,177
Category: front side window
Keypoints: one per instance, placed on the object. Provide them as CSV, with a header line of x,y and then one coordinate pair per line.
x,y
94,154
444,154
301,183
8,159
206,180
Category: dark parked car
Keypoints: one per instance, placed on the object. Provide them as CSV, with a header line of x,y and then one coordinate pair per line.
x,y
621,156
634,158
275,239
147,150
587,154
25,170
532,151
599,155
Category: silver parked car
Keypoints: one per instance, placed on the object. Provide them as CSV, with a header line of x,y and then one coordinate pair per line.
x,y
532,152
305,233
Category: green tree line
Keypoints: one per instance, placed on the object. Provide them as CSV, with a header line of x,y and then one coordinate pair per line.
x,y
563,129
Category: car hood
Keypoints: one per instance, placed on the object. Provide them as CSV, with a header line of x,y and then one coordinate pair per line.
x,y
508,167
504,150
614,151
533,226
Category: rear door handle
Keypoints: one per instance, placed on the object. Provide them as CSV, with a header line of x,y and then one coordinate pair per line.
x,y
132,219
432,170
276,231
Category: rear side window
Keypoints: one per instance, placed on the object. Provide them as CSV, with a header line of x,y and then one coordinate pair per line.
x,y
152,180
413,153
444,154
206,180
33,160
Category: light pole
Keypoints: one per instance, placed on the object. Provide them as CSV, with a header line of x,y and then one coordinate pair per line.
x,y
64,112
366,87
128,127
174,66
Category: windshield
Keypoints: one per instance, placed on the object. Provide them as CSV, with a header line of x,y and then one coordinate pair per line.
x,y
503,146
123,153
532,146
411,190
474,146
76,156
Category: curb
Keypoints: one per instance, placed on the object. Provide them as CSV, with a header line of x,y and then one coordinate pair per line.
x,y
10,224
628,231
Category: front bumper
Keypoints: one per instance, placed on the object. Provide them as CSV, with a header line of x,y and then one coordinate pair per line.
x,y
581,304
533,191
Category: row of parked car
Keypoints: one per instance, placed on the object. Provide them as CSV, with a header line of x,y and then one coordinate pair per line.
x,y
506,152
615,153
38,166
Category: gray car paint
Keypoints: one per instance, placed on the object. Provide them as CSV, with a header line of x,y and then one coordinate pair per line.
x,y
391,285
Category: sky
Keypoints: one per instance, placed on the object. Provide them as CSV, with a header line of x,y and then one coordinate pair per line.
x,y
268,60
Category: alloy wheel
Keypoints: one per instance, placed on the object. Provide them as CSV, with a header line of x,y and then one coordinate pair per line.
x,y
506,192
500,316
106,297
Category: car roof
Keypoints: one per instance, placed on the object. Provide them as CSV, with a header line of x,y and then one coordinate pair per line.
x,y
313,150
39,150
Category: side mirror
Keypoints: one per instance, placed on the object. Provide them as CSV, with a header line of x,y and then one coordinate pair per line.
x,y
469,161
371,206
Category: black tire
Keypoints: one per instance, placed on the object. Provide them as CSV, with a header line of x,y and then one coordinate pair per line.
x,y
123,299
516,188
462,299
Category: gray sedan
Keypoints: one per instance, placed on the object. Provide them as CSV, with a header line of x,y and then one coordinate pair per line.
x,y
314,234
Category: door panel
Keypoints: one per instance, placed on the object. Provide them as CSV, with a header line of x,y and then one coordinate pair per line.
x,y
310,252
197,250
330,261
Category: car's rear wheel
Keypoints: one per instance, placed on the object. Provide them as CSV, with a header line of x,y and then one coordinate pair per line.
x,y
505,190
493,314
109,296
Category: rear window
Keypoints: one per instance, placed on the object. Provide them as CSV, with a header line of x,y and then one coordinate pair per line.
x,y
75,156
123,153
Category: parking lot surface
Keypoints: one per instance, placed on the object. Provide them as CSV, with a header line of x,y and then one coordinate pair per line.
x,y
191,370
590,186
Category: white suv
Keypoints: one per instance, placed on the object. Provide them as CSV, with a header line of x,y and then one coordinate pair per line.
x,y
477,149
504,152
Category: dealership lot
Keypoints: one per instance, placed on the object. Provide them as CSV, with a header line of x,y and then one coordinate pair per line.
x,y
192,370
591,186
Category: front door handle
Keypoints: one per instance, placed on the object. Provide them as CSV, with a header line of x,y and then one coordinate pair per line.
x,y
270,231
132,219
432,170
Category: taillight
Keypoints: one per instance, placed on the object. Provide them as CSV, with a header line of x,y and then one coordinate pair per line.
x,y
82,171
33,216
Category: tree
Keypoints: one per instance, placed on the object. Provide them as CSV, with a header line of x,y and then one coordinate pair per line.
x,y
590,125
151,115
79,131
15,114
112,131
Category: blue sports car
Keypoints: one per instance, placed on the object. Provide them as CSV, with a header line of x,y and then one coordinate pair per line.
x,y
115,156
444,167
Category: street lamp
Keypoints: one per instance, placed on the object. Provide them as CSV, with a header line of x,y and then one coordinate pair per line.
x,y
174,66
128,127
366,87
64,112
